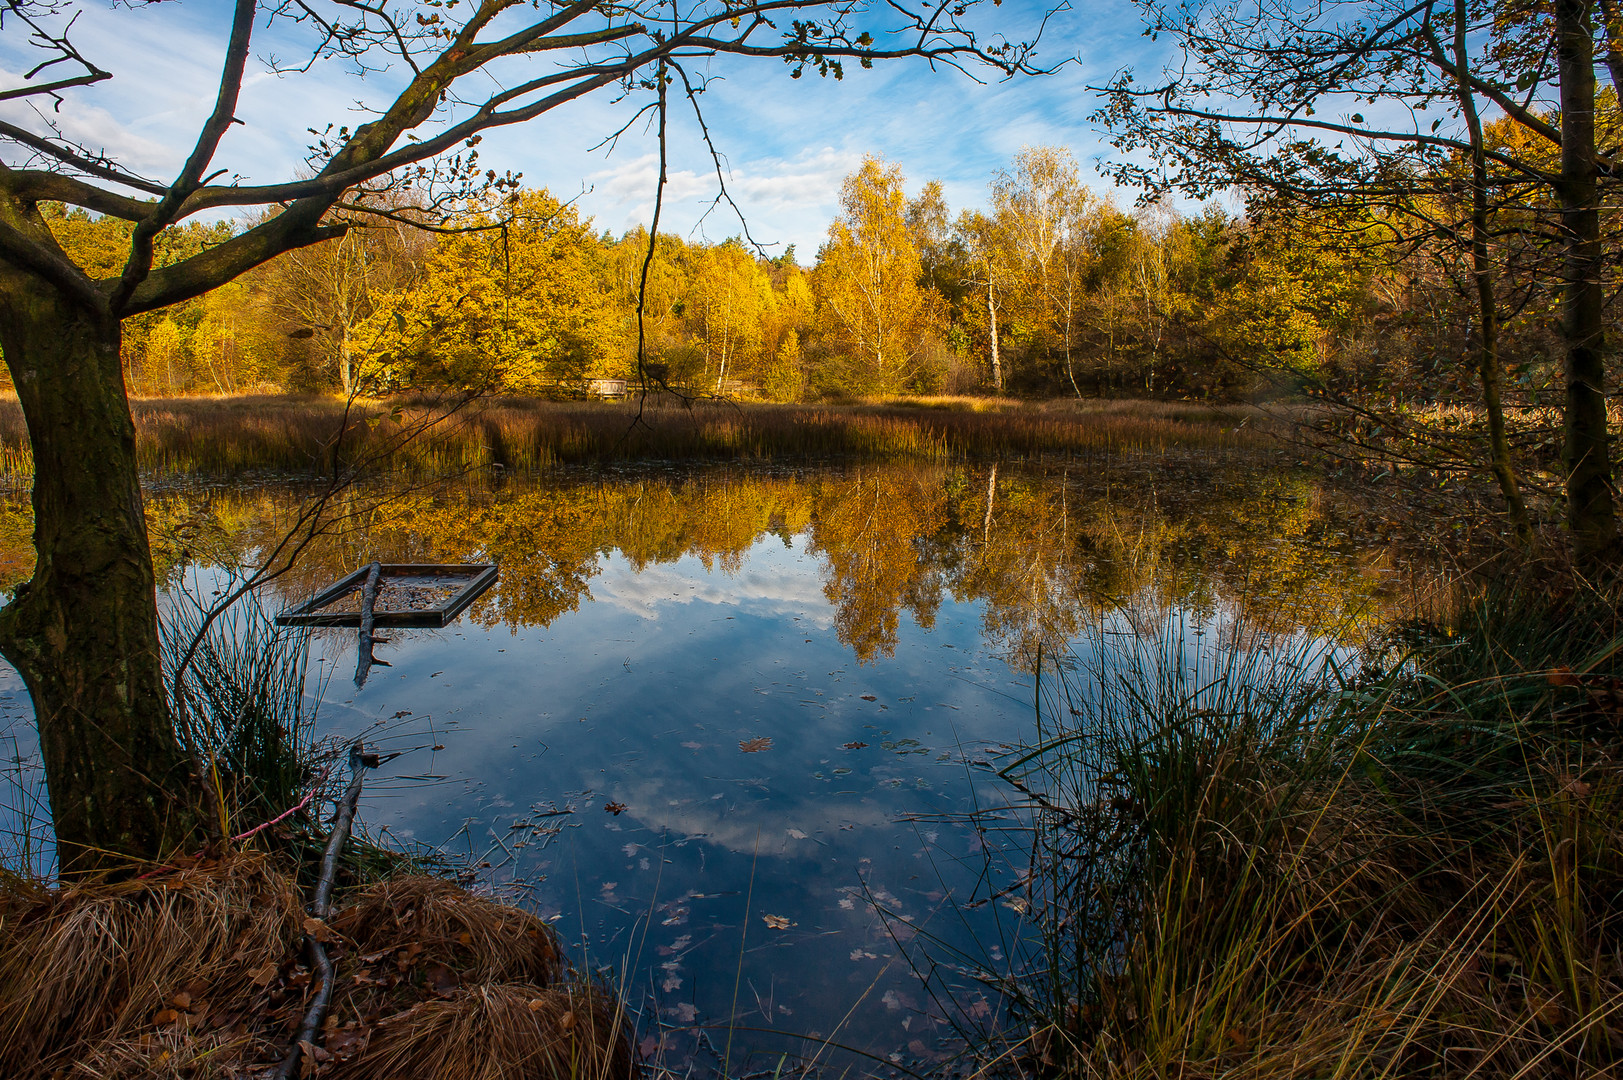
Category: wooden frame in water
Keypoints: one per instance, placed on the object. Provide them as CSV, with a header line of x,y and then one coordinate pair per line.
x,y
433,594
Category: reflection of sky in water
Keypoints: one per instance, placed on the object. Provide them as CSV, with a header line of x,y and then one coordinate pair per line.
x,y
648,692
643,698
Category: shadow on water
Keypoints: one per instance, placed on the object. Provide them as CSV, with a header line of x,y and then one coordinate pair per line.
x,y
729,728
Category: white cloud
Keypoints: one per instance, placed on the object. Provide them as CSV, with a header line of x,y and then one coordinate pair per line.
x,y
760,589
786,143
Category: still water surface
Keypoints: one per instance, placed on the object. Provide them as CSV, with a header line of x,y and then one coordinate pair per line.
x,y
725,726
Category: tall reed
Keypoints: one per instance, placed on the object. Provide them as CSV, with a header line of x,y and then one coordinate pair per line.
x,y
243,706
1265,859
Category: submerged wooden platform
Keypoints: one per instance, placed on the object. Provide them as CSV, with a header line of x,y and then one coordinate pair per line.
x,y
469,581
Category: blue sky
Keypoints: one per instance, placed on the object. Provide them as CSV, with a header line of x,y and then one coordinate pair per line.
x,y
788,143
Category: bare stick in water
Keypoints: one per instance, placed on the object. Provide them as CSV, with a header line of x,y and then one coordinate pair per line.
x,y
320,908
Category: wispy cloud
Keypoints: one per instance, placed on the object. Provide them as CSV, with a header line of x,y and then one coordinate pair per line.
x,y
787,143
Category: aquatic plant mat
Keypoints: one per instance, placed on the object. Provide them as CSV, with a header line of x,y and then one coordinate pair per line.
x,y
1269,863
197,972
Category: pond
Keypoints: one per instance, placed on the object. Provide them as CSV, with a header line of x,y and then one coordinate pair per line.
x,y
725,726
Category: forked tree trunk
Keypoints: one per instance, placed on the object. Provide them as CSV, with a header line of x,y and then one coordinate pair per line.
x,y
84,631
1591,514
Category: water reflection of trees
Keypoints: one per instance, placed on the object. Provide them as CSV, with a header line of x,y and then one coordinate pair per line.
x,y
1043,551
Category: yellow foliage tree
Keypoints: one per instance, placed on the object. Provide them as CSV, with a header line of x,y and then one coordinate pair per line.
x,y
867,281
522,308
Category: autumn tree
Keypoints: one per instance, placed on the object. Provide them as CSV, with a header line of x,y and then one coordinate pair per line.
x,y
83,632
514,302
867,280
325,293
1271,99
989,272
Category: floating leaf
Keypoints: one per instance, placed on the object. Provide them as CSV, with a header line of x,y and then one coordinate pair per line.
x,y
615,808
797,834
856,746
776,922
756,745
869,697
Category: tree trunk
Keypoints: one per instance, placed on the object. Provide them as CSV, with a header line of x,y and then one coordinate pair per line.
x,y
84,631
991,314
1613,23
1490,370
1591,516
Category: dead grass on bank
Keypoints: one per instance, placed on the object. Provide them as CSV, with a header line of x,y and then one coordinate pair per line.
x,y
225,436
199,973
1415,874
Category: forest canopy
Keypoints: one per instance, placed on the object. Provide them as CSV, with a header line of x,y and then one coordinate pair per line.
x,y
1052,287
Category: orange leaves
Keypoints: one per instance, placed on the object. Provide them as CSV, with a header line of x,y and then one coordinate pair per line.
x,y
755,745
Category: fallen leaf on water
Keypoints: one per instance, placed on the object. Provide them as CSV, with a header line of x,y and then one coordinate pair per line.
x,y
869,697
686,1013
797,834
856,746
756,745
776,922
615,808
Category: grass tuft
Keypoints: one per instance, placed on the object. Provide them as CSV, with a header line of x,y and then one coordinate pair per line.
x,y
198,972
1253,858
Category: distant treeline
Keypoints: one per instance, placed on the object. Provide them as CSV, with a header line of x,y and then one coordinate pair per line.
x,y
1051,289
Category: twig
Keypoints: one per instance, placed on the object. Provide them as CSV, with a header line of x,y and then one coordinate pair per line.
x,y
320,907
285,814
369,599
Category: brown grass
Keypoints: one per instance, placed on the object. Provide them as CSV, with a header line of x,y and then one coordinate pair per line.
x,y
198,973
228,436
1404,884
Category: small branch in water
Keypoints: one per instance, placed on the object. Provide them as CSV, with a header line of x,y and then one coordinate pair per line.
x,y
321,907
369,599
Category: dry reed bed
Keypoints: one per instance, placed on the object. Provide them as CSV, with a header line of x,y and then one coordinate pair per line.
x,y
1356,941
1391,877
197,973
225,436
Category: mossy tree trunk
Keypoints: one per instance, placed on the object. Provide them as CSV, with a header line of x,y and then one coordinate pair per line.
x,y
84,631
